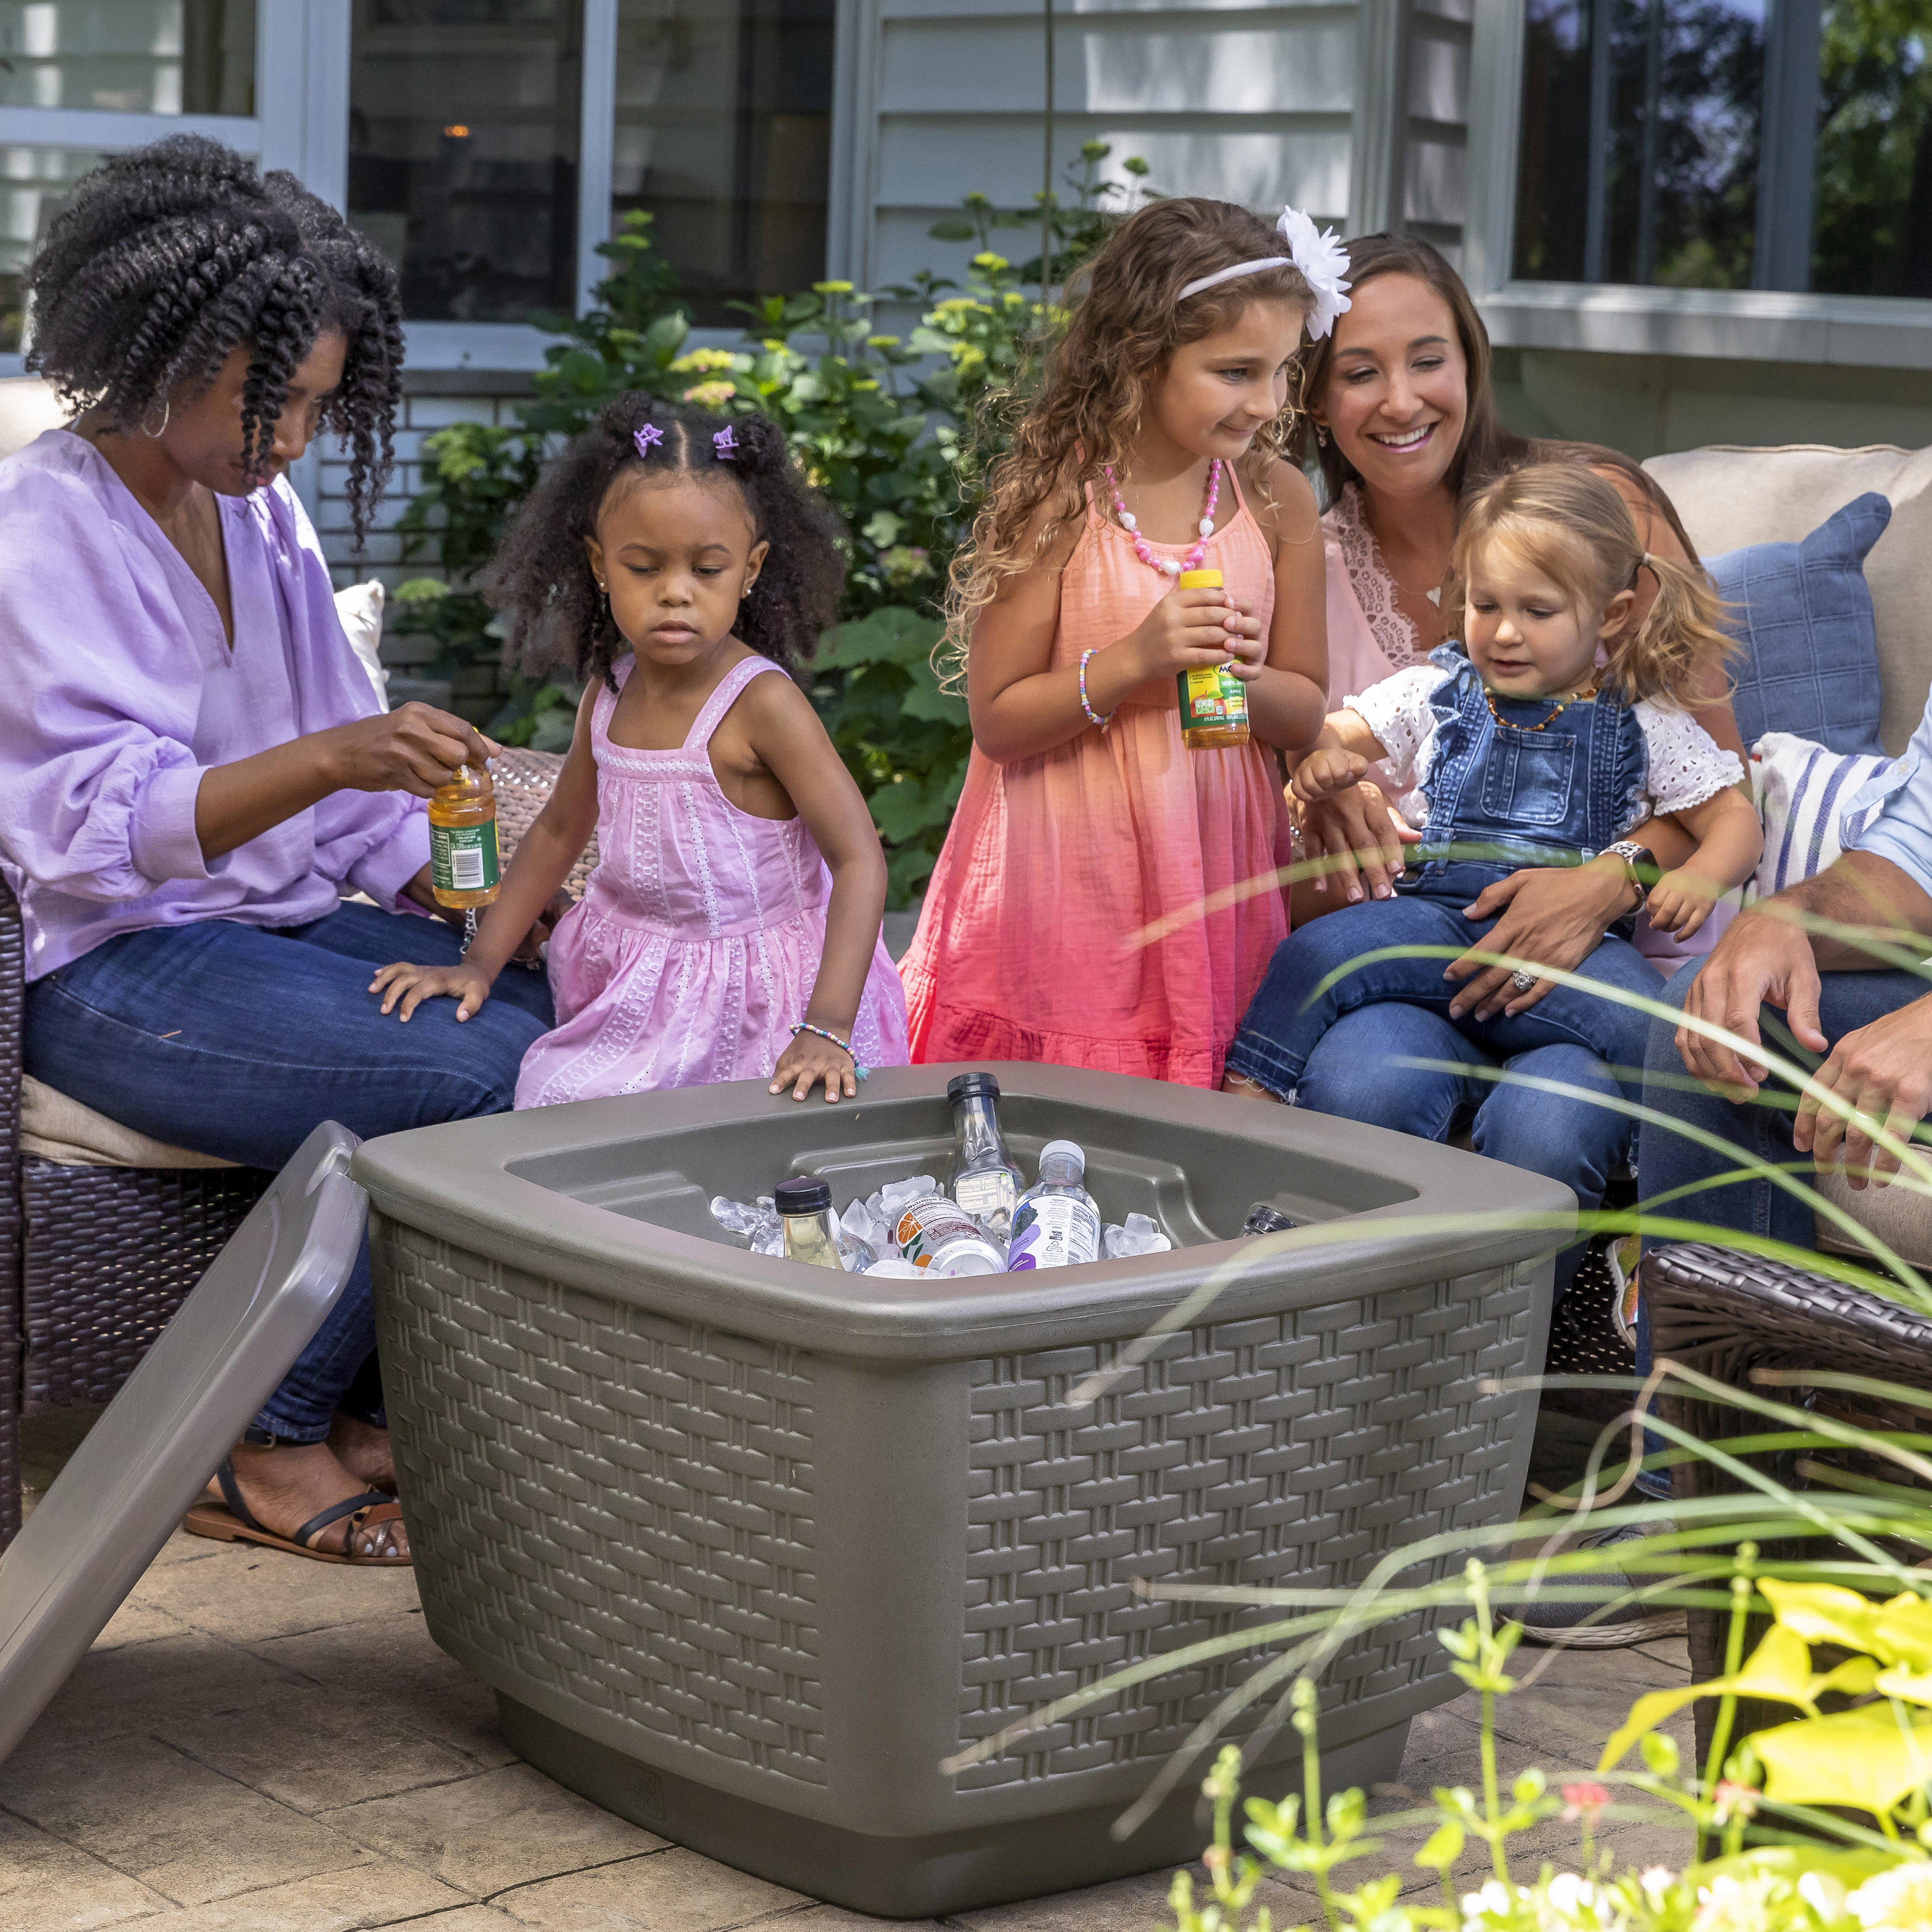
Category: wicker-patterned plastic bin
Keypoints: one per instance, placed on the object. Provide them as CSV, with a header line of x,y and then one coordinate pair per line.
x,y
746,1550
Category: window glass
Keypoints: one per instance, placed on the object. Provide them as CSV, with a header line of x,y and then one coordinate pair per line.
x,y
34,182
723,133
134,56
1719,144
463,151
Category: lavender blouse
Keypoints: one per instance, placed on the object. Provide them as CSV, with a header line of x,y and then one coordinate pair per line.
x,y
117,690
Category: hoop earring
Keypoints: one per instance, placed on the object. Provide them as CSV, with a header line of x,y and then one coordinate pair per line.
x,y
167,407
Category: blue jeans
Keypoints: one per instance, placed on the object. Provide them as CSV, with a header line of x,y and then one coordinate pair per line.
x,y
1846,1002
1356,1071
238,1043
1288,1017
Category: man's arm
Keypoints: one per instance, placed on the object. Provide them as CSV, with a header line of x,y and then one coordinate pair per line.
x,y
1864,890
1773,952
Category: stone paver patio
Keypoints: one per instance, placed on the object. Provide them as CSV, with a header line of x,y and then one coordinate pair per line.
x,y
259,1744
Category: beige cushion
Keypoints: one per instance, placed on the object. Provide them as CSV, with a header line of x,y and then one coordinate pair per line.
x,y
1729,497
1899,1217
360,607
28,406
52,1127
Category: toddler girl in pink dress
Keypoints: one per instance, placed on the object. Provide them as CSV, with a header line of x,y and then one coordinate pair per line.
x,y
730,931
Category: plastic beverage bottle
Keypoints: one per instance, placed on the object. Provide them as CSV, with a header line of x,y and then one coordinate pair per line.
x,y
1214,702
984,1181
463,866
1057,1225
1263,1219
805,1213
939,1237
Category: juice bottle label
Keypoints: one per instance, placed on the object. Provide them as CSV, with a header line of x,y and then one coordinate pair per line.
x,y
462,858
1055,1232
1211,697
932,1223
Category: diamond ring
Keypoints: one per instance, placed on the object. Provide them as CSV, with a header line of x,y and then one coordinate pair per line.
x,y
1522,981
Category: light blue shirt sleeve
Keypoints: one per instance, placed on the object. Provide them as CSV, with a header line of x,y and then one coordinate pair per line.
x,y
1900,802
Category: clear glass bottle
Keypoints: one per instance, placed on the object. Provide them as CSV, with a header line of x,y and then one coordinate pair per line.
x,y
463,868
984,1181
1214,702
1057,1224
805,1213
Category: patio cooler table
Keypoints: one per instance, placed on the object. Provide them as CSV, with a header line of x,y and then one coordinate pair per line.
x,y
746,1548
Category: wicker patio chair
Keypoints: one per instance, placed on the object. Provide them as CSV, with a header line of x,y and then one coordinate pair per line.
x,y
94,1260
1726,1314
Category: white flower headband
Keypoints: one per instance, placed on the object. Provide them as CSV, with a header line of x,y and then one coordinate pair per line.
x,y
1318,254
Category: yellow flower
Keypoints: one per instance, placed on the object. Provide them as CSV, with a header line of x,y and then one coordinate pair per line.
x,y
832,288
882,342
991,263
701,361
711,395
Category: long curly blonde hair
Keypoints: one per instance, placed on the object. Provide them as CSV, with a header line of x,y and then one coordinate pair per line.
x,y
1128,319
1568,523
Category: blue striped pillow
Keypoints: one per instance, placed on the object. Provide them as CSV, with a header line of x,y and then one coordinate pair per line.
x,y
1801,791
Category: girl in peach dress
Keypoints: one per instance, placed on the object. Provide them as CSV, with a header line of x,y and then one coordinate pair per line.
x,y
1107,898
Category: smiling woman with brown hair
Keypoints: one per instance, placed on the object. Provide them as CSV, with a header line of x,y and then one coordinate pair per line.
x,y
193,773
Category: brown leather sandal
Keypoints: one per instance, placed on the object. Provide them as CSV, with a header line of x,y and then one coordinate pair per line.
x,y
231,1521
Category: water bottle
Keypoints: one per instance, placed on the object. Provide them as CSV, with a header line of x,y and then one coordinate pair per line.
x,y
984,1182
1057,1224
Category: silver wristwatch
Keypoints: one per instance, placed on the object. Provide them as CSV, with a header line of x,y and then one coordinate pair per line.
x,y
1632,854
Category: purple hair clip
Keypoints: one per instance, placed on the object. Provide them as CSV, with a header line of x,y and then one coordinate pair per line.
x,y
726,445
647,438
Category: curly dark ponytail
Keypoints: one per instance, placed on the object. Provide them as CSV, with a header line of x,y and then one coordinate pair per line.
x,y
168,258
541,578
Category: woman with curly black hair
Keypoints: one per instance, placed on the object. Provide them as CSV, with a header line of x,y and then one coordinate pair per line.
x,y
730,931
193,771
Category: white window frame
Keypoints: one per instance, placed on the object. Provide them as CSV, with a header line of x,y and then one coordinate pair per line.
x,y
1740,325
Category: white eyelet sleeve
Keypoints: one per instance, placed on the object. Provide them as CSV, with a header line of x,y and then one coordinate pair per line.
x,y
1687,765
1397,711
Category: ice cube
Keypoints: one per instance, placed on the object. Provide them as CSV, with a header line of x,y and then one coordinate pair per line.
x,y
735,1217
1140,1235
769,1239
859,1257
858,1223
894,1196
896,1268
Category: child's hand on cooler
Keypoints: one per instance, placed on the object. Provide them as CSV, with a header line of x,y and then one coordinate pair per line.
x,y
1322,774
1191,630
412,985
810,1060
1680,902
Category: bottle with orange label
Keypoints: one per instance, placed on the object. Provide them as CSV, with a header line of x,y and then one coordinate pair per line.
x,y
463,869
1214,702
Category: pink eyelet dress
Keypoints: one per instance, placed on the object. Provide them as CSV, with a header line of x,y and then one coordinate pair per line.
x,y
698,940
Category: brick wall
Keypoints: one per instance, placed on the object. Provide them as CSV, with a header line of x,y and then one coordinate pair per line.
x,y
431,401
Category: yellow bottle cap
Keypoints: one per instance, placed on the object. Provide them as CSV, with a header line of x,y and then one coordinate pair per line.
x,y
1200,580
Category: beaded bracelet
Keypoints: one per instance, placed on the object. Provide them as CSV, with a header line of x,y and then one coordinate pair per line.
x,y
1093,716
859,1072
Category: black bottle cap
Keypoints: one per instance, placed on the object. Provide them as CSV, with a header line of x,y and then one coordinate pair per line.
x,y
1263,1220
972,1086
801,1194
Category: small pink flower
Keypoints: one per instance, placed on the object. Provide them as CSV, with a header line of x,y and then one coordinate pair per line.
x,y
1733,1800
1583,1801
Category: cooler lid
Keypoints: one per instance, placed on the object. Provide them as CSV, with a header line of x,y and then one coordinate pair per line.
x,y
150,1455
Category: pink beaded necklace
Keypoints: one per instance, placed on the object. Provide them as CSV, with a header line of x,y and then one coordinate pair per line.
x,y
1166,566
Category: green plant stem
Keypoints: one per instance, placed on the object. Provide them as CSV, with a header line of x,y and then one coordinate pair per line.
x,y
1734,1652
1305,1722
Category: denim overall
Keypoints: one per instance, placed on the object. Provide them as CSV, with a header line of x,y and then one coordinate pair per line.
x,y
1535,790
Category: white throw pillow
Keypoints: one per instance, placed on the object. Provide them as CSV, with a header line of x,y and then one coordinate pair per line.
x,y
1801,791
360,608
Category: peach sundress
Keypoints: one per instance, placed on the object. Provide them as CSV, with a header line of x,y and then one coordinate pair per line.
x,y
1111,904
